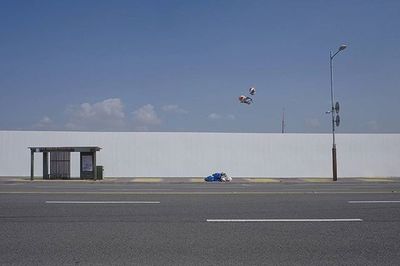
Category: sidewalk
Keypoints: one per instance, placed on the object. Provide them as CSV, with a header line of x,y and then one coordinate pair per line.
x,y
183,180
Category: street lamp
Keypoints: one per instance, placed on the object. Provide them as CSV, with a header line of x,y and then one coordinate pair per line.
x,y
334,110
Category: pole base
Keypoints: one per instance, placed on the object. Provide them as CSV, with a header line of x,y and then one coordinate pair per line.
x,y
334,164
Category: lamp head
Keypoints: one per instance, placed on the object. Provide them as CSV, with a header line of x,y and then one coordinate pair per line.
x,y
342,47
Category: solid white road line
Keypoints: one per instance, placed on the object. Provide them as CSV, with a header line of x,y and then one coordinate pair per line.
x,y
282,220
102,202
374,201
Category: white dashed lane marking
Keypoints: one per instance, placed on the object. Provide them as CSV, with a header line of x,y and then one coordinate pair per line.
x,y
373,201
102,202
280,220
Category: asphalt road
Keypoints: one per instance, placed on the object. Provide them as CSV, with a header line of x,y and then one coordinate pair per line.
x,y
91,223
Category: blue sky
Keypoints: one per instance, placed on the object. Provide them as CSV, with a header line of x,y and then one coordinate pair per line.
x,y
181,65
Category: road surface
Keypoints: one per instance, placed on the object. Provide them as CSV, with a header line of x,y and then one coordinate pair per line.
x,y
190,223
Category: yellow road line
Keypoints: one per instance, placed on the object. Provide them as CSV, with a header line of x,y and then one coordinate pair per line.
x,y
376,180
317,180
263,180
147,180
197,180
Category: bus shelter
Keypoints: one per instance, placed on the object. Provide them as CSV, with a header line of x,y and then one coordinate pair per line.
x,y
60,162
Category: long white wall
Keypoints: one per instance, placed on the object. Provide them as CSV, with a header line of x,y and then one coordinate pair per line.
x,y
143,154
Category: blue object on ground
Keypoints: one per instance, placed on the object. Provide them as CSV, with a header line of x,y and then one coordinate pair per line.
x,y
213,177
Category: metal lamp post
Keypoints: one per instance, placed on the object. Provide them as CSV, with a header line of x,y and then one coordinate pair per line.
x,y
334,109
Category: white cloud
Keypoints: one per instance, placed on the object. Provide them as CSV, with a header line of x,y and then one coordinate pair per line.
x,y
146,116
109,115
214,116
231,117
104,115
172,108
46,120
45,124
